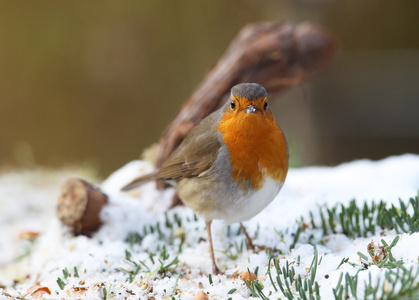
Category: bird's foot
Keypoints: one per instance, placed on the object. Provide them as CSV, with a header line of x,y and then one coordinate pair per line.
x,y
215,270
248,239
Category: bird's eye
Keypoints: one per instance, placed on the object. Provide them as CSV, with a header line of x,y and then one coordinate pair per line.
x,y
232,105
265,106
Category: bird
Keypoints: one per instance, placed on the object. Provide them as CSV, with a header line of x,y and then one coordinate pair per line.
x,y
231,165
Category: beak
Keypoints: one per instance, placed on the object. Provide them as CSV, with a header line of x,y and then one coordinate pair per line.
x,y
251,109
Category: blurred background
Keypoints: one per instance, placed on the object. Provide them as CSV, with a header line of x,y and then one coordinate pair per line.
x,y
93,83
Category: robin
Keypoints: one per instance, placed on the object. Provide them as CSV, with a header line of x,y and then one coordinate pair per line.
x,y
232,164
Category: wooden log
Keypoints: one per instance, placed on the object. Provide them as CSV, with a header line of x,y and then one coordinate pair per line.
x,y
276,56
79,206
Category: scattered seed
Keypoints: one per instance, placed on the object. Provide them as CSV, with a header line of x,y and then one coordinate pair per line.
x,y
201,296
246,276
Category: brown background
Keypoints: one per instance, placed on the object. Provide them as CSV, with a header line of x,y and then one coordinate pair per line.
x,y
95,82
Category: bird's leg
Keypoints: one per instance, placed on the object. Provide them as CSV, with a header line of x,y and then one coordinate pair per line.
x,y
249,240
215,269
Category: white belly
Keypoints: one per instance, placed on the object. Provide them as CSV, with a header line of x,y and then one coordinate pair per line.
x,y
245,206
230,203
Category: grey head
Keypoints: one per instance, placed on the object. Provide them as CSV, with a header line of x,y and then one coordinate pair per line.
x,y
250,91
253,92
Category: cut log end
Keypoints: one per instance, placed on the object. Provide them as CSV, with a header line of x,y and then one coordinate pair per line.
x,y
79,206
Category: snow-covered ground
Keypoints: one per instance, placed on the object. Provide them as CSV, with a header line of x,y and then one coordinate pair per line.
x,y
140,235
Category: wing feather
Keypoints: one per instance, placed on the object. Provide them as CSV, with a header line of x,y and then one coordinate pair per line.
x,y
194,156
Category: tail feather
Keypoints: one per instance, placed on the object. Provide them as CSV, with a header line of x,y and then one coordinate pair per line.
x,y
139,181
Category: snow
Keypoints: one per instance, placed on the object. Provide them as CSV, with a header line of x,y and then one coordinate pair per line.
x,y
27,203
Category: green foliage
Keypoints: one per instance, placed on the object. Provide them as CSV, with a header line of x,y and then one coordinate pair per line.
x,y
175,285
287,280
352,220
255,286
76,272
361,221
66,274
169,235
61,283
165,267
355,221
349,286
399,218
381,256
399,282
107,292
136,267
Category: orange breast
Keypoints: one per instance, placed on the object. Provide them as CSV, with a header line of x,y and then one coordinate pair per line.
x,y
257,147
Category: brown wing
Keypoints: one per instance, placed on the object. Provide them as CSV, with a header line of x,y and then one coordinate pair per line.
x,y
139,181
195,154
